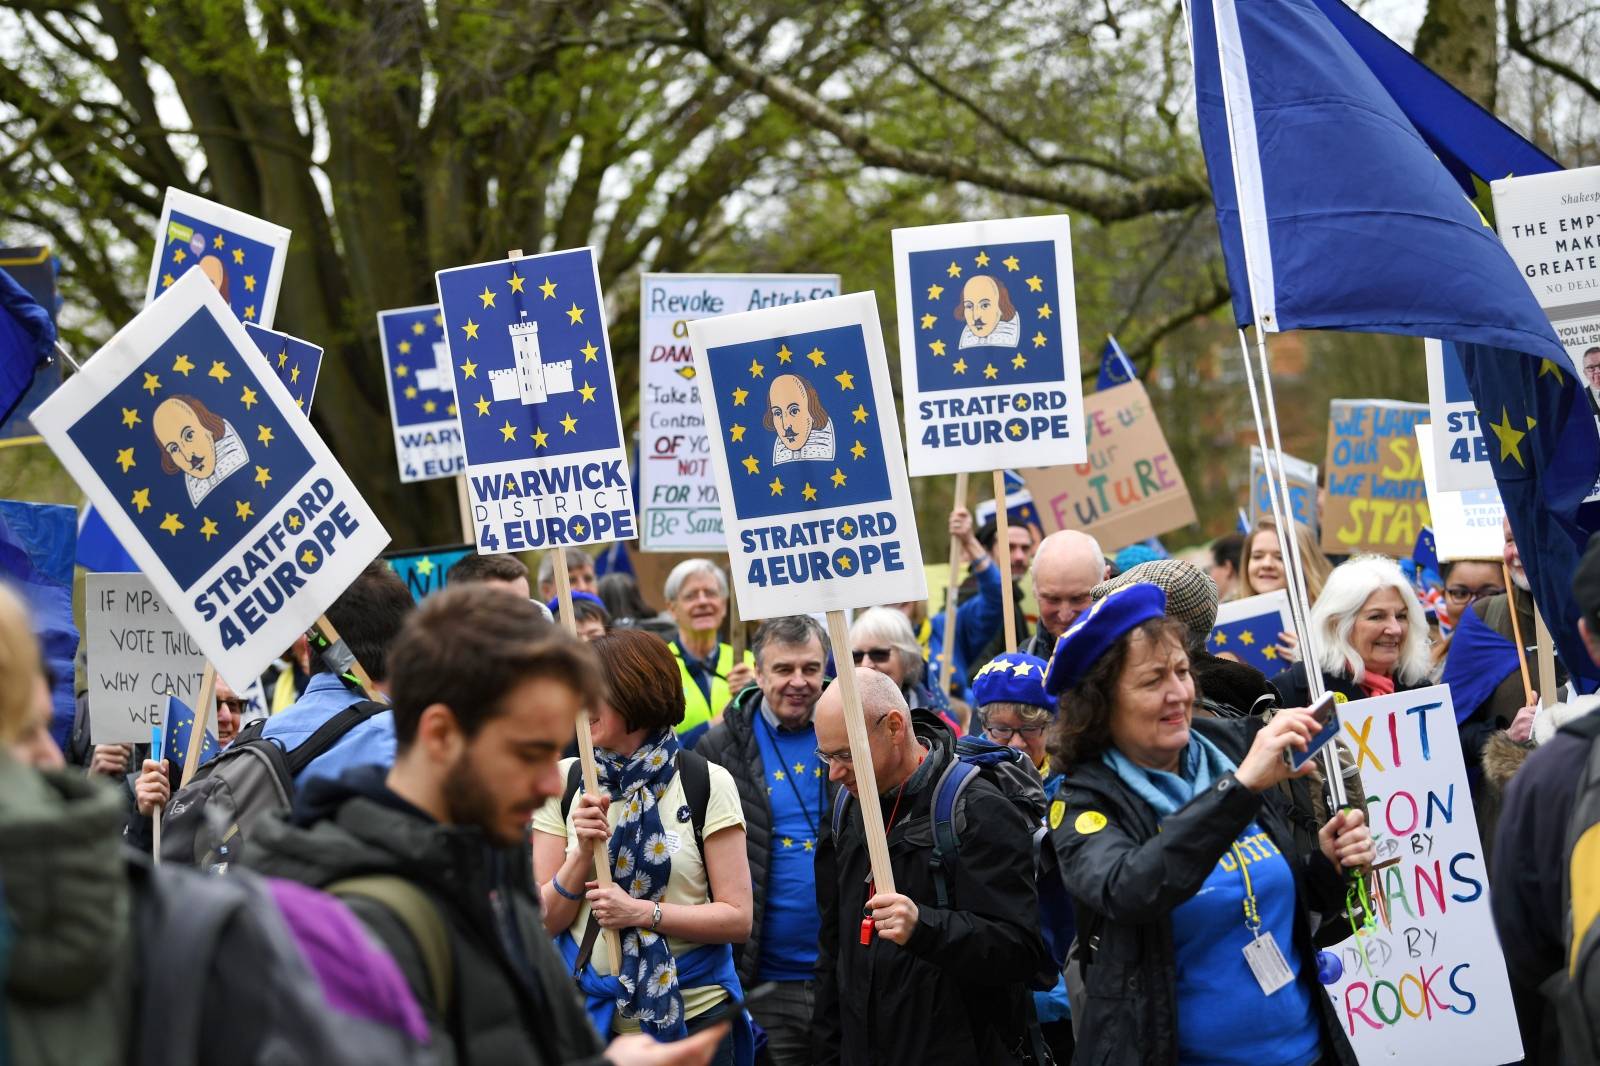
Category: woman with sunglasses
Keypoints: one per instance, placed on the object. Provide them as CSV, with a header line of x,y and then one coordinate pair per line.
x,y
881,639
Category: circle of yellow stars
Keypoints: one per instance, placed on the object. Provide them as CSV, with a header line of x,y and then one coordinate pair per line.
x,y
180,255
1018,361
591,354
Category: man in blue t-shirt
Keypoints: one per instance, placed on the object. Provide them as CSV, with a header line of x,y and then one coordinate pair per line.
x,y
766,741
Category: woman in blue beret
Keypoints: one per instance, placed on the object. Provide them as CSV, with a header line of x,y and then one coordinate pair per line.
x,y
1194,904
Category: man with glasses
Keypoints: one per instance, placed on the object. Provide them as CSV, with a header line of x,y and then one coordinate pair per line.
x,y
901,979
766,740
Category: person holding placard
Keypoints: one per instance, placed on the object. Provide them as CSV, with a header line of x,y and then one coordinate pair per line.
x,y
1194,902
901,979
979,616
697,597
680,896
1372,636
1264,568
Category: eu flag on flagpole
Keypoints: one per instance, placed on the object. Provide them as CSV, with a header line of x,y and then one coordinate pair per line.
x,y
179,724
36,548
27,337
98,548
1115,366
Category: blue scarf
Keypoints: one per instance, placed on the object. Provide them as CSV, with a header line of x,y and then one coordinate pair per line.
x,y
1201,764
641,862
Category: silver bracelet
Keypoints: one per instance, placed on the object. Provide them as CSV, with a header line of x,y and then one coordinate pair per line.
x,y
655,917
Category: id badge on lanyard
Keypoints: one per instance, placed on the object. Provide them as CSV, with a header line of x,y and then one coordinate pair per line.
x,y
1266,962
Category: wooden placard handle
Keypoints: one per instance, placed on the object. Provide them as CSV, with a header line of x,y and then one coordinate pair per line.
x,y
1516,632
855,725
197,731
1002,553
947,656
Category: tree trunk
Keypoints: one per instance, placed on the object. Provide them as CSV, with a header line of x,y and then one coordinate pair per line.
x,y
1458,41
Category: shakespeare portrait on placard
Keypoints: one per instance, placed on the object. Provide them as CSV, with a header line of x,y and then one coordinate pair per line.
x,y
795,414
200,445
986,308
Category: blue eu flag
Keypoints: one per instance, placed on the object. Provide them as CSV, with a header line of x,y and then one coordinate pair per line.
x,y
1253,640
296,362
176,731
1115,366
36,552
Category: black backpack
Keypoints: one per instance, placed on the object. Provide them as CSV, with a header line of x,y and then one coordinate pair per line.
x,y
1575,988
207,823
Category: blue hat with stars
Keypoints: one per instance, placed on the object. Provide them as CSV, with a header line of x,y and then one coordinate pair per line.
x,y
1012,678
1098,629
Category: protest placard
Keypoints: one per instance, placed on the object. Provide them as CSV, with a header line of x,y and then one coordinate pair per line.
x,y
198,459
1552,242
1248,631
678,507
296,362
1428,982
807,458
243,256
422,395
139,654
539,418
1466,524
1376,501
1130,489
423,570
989,345
1302,477
1459,444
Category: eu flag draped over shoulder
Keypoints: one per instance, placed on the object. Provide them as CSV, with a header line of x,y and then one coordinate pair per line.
x,y
1351,210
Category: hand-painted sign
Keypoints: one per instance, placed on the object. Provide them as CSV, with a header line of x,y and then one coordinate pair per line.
x,y
1376,501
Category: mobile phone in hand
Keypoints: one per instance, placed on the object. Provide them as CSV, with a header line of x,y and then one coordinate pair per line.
x,y
1327,728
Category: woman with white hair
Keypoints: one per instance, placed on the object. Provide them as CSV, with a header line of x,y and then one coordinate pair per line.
x,y
697,598
1371,635
881,639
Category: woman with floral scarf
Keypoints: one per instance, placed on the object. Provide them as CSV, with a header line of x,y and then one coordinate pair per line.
x,y
678,912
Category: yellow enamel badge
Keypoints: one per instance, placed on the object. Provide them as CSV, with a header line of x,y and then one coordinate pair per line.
x,y
1090,822
1058,813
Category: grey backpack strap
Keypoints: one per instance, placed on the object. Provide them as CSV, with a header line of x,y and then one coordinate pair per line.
x,y
416,911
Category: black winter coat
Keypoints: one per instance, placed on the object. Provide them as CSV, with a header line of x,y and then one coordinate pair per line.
x,y
1294,689
731,744
513,1000
1128,874
956,992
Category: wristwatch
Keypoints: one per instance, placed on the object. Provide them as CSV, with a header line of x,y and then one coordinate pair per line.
x,y
655,916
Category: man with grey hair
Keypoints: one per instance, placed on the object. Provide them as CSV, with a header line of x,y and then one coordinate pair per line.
x,y
767,742
697,598
1066,568
950,967
580,572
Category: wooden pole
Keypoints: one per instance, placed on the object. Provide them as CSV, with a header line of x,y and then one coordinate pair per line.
x,y
1547,659
1002,552
324,627
591,772
464,501
736,633
1516,632
202,715
947,656
855,724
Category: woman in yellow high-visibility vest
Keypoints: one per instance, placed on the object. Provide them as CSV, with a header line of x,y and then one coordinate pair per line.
x,y
697,598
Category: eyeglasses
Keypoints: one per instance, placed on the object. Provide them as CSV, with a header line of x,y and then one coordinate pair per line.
x,y
828,758
237,706
1461,594
877,655
1002,734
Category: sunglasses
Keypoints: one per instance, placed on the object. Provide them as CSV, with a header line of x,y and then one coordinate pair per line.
x,y
237,706
877,655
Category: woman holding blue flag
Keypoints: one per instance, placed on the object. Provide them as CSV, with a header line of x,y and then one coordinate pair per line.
x,y
1194,903
681,892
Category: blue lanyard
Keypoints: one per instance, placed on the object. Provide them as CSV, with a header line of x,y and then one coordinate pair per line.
x,y
805,812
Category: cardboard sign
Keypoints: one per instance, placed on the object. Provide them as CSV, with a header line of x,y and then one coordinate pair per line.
x,y
424,571
1302,477
1550,224
807,458
1466,525
1428,984
296,362
422,395
139,653
1376,501
678,506
201,464
243,256
546,464
989,345
1130,489
1459,443
1248,630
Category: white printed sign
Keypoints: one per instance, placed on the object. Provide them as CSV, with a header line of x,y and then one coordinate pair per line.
x,y
242,255
807,458
678,507
422,395
989,361
1428,983
1467,524
195,453
1459,443
138,653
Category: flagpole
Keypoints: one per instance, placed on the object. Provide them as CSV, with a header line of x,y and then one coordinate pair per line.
x,y
1277,488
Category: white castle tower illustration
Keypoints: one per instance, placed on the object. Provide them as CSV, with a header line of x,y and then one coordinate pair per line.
x,y
532,379
437,376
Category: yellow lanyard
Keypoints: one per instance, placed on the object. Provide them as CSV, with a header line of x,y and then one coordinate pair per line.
x,y
1252,914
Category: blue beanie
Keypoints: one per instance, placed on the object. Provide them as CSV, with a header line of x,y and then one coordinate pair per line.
x,y
1012,678
1098,629
555,602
